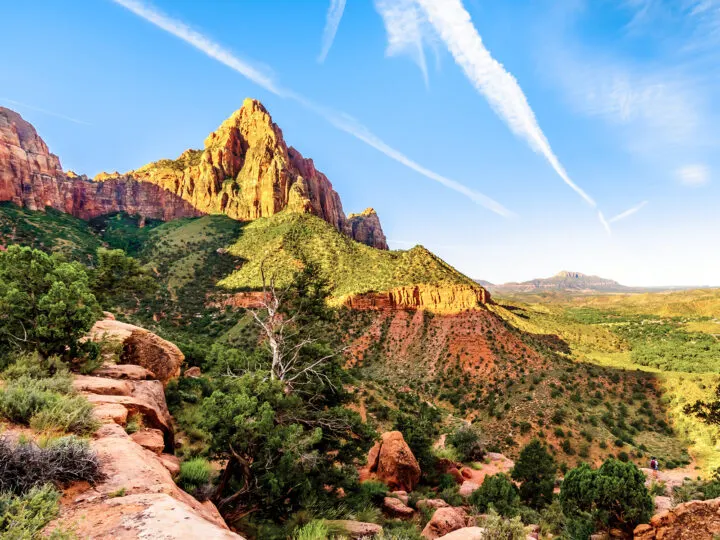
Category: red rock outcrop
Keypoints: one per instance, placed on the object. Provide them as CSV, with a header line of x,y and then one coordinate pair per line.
x,y
30,176
142,348
694,520
437,298
245,171
393,463
365,227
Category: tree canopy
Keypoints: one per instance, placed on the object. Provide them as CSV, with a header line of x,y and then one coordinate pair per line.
x,y
535,471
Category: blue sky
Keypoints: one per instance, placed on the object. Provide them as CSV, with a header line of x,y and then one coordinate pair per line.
x,y
493,133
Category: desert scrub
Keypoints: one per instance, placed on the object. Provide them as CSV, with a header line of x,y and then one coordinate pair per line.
x,y
25,516
25,465
194,474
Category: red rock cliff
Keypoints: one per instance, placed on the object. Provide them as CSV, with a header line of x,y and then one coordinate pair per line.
x,y
245,171
30,176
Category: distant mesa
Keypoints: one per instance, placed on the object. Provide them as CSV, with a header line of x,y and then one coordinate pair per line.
x,y
245,171
564,281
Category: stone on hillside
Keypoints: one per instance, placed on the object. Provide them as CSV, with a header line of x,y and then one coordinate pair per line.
x,y
111,412
457,475
396,508
152,439
467,488
101,385
402,495
466,473
142,348
445,520
124,371
355,529
171,463
466,533
694,520
393,462
192,372
431,503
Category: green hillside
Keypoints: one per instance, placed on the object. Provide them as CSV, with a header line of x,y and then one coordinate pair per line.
x,y
279,244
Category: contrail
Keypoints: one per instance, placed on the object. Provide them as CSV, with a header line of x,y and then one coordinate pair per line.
x,y
452,22
403,24
628,213
340,120
334,15
45,111
604,222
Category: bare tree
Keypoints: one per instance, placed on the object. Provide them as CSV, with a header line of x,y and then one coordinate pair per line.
x,y
287,338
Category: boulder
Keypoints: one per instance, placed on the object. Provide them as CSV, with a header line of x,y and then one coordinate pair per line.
x,y
457,475
124,371
402,495
466,473
467,488
152,439
445,520
396,508
466,533
355,529
192,372
112,413
431,503
172,464
101,385
394,463
142,348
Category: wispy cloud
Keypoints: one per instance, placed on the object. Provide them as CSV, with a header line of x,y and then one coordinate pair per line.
x,y
695,175
404,26
628,213
340,120
44,111
454,25
604,222
334,15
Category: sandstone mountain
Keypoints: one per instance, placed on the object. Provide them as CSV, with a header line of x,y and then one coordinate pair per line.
x,y
246,171
561,282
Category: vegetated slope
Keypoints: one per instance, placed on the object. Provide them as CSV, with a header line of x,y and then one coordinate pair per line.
x,y
281,242
678,353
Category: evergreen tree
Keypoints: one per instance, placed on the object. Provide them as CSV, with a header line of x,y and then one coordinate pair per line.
x,y
499,492
535,471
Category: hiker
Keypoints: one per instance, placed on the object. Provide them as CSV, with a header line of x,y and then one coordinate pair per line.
x,y
654,465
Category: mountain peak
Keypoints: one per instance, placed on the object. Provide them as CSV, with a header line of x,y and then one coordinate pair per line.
x,y
569,274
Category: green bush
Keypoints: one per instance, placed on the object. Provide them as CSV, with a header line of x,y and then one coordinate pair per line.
x,y
467,441
315,530
194,473
70,414
24,516
535,470
499,528
498,492
20,400
614,495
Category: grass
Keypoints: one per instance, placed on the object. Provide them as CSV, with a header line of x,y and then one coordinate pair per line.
x,y
194,473
25,516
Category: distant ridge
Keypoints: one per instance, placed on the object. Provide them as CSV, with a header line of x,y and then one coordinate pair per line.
x,y
565,281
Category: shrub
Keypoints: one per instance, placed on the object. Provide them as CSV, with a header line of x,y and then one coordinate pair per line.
x,y
25,516
452,496
24,466
22,399
315,530
614,495
499,492
552,520
498,528
194,474
71,414
535,471
467,441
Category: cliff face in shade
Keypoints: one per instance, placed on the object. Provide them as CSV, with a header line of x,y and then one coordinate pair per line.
x,y
366,228
245,171
31,177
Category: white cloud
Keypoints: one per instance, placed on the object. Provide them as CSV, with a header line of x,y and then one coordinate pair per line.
x,y
454,25
404,25
334,15
693,175
628,213
340,120
604,222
